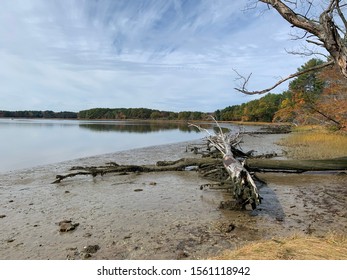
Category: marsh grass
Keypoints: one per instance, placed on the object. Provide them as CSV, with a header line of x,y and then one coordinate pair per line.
x,y
315,143
296,247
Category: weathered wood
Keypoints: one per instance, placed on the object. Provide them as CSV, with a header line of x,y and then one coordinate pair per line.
x,y
177,165
296,165
245,190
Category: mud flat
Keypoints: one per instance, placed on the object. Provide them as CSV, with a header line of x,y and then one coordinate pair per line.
x,y
156,215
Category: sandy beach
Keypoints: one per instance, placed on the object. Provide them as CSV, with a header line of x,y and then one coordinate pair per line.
x,y
156,215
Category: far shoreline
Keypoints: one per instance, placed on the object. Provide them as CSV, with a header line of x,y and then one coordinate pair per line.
x,y
246,123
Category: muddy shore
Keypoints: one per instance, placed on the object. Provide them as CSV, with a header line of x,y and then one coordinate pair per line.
x,y
156,215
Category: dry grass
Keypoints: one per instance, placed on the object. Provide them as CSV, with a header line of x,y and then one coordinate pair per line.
x,y
315,143
303,247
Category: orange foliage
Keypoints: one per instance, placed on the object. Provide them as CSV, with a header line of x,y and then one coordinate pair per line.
x,y
329,107
333,100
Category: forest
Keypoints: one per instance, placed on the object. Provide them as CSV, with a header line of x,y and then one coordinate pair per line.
x,y
316,97
38,114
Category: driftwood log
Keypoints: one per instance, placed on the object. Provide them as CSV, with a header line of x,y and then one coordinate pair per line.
x,y
112,167
298,166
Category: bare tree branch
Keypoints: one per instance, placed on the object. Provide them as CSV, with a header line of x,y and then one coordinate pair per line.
x,y
305,51
244,90
325,31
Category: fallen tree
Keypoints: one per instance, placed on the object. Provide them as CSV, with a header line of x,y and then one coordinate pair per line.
x,y
245,190
227,169
298,166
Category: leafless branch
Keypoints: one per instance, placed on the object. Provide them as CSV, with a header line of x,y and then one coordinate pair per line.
x,y
305,51
244,90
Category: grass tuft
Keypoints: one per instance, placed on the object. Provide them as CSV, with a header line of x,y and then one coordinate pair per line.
x,y
315,143
297,247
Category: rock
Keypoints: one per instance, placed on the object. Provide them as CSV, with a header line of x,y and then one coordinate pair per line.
x,y
2,216
87,256
91,249
138,190
67,225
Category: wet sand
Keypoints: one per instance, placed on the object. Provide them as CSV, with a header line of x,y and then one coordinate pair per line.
x,y
156,215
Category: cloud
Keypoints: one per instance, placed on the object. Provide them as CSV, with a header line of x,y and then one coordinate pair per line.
x,y
164,54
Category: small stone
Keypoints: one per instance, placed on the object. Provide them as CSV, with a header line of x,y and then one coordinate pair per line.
x,y
2,216
67,225
87,256
138,190
91,249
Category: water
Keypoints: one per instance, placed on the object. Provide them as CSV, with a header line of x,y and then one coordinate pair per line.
x,y
31,142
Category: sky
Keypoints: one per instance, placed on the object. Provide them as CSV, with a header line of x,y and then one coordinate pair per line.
x,y
174,55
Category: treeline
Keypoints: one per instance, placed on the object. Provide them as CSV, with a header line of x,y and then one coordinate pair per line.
x,y
259,110
139,114
38,114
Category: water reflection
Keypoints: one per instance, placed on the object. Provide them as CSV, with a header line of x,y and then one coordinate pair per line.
x,y
138,127
30,142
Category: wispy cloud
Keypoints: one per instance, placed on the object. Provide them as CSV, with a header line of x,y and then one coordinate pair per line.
x,y
166,54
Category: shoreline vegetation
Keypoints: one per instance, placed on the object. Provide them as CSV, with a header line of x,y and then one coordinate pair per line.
x,y
315,142
332,246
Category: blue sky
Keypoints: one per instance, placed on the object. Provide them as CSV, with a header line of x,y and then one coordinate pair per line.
x,y
171,55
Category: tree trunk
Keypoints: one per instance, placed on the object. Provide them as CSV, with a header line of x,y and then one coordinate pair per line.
x,y
267,165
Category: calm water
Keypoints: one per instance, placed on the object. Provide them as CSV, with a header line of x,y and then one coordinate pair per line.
x,y
31,142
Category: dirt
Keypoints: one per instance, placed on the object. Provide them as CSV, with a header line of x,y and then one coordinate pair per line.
x,y
156,216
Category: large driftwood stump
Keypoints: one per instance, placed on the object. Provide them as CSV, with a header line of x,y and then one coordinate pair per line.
x,y
245,189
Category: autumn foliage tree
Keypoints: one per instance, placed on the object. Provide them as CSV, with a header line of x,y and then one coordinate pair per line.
x,y
318,97
333,100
